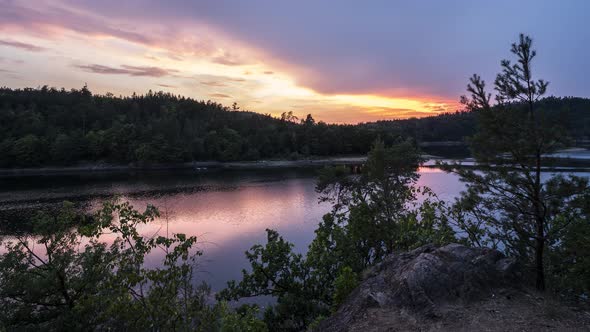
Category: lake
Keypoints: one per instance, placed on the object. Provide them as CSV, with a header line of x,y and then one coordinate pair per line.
x,y
227,210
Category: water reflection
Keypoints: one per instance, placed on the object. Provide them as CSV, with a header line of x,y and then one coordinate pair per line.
x,y
227,223
227,211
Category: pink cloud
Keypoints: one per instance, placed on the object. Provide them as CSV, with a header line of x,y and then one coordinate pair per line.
x,y
46,19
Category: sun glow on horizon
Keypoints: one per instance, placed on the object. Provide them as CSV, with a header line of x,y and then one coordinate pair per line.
x,y
61,53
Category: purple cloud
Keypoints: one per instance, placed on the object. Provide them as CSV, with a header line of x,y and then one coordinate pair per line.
x,y
403,49
14,14
416,48
41,18
127,70
22,46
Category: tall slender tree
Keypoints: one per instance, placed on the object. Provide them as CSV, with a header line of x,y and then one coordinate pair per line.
x,y
508,198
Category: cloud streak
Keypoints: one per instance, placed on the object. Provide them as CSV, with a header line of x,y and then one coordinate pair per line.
x,y
22,46
127,70
214,83
219,95
390,48
49,19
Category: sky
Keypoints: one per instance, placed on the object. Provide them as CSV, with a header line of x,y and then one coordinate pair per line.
x,y
343,61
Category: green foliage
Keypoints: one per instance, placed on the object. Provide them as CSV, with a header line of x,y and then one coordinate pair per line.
x,y
572,113
277,271
65,149
569,266
569,255
316,323
374,214
344,284
49,126
243,320
508,203
428,223
65,278
27,151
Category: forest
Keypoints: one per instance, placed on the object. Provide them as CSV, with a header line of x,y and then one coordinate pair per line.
x,y
59,127
49,126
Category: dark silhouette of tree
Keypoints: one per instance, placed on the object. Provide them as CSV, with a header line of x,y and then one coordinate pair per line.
x,y
507,196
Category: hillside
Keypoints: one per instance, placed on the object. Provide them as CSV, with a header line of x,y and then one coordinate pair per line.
x,y
46,126
575,112
50,127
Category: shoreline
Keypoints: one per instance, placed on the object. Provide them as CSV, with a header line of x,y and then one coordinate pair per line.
x,y
569,156
196,166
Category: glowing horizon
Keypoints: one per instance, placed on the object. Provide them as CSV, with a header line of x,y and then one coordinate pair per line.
x,y
194,51
255,86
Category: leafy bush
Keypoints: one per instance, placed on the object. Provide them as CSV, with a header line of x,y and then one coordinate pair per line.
x,y
374,214
65,278
344,284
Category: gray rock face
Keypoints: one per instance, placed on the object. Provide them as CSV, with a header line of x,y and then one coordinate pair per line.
x,y
420,282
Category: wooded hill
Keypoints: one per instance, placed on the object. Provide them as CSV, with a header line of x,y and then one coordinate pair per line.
x,y
47,126
573,111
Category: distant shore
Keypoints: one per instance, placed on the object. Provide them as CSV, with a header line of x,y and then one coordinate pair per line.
x,y
572,157
197,166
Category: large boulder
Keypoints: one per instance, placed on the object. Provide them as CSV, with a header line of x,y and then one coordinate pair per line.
x,y
428,288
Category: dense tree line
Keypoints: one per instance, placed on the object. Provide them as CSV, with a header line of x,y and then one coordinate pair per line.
x,y
49,126
574,111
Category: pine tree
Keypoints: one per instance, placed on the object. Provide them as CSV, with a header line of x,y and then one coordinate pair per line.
x,y
508,203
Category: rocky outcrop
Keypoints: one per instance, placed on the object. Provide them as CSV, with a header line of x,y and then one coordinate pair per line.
x,y
429,288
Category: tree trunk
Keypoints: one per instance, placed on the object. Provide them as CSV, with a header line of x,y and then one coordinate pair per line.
x,y
540,225
539,270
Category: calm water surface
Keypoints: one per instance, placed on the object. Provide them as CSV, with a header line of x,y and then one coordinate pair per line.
x,y
227,210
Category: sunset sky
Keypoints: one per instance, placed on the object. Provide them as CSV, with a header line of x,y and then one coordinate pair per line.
x,y
342,61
